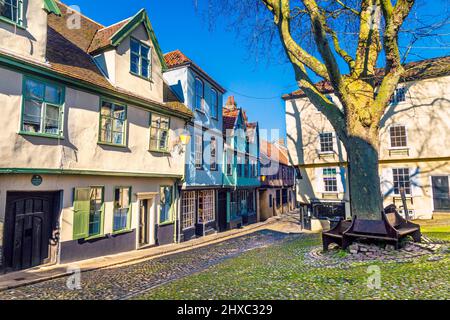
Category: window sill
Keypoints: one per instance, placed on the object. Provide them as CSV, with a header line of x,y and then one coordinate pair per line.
x,y
42,135
15,24
111,144
324,153
121,231
165,223
200,111
142,77
398,151
164,152
98,236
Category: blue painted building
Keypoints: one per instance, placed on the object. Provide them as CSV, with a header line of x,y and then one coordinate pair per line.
x,y
198,205
241,168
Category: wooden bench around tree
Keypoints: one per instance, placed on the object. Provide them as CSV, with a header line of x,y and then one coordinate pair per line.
x,y
391,229
336,235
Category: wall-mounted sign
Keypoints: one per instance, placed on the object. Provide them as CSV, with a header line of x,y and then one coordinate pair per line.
x,y
36,180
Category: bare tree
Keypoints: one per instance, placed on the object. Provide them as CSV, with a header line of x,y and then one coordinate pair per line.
x,y
316,35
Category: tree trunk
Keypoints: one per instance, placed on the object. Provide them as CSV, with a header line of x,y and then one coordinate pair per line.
x,y
365,193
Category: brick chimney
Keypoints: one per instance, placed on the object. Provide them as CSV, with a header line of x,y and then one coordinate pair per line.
x,y
231,103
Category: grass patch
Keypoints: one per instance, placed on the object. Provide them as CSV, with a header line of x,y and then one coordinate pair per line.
x,y
281,272
438,232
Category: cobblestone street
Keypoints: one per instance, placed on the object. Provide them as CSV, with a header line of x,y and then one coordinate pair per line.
x,y
124,282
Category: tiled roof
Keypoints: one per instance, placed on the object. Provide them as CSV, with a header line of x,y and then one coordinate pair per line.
x,y
67,54
419,70
229,119
230,112
102,38
274,152
177,58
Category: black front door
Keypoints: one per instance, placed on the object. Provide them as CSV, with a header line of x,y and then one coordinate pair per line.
x,y
222,210
441,194
28,229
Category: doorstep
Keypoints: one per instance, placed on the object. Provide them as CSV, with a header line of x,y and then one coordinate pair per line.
x,y
44,273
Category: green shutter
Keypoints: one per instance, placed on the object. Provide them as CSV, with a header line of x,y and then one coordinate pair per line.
x,y
81,207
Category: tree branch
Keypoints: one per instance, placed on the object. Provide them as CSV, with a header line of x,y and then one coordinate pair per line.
x,y
318,24
394,18
344,54
369,45
343,5
281,12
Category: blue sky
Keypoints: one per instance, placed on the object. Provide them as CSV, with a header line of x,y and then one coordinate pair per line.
x,y
257,85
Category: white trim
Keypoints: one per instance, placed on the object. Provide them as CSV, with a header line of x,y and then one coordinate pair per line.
x,y
398,124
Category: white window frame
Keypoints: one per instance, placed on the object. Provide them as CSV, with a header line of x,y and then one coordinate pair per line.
x,y
390,136
332,143
213,155
188,209
327,177
409,180
198,151
208,211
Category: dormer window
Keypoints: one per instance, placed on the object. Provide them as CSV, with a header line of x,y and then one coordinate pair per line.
x,y
11,10
141,55
199,94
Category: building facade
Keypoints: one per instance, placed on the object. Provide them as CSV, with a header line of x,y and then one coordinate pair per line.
x,y
238,201
414,154
89,159
203,167
277,192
